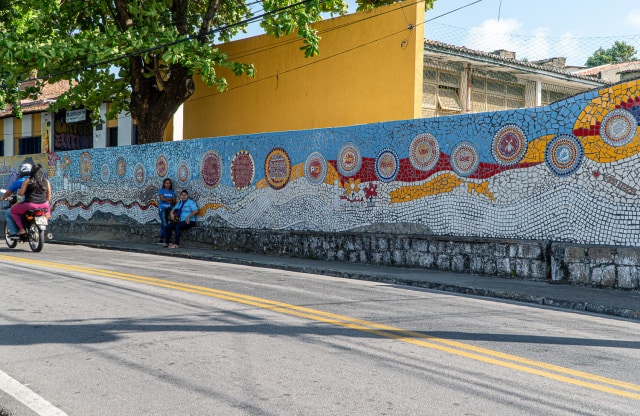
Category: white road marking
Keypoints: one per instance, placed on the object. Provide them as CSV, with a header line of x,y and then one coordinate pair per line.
x,y
27,397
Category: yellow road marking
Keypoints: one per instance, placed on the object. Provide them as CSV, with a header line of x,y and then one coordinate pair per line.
x,y
558,373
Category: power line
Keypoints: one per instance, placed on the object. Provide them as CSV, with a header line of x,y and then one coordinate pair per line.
x,y
321,59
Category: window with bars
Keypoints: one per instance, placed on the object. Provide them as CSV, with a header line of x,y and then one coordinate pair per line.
x,y
29,145
440,92
489,94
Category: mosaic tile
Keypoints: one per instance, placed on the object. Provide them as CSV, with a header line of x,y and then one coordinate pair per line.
x,y
564,172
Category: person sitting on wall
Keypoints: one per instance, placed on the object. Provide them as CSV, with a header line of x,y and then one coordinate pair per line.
x,y
25,171
180,218
37,193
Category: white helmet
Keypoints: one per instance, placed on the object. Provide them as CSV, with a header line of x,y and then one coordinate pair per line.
x,y
26,168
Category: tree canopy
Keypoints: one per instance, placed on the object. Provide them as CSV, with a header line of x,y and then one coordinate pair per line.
x,y
140,55
619,52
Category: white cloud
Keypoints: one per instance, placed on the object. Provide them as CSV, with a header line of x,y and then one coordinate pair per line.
x,y
536,47
493,34
633,18
536,44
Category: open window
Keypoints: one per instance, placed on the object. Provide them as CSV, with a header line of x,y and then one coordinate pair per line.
x,y
449,100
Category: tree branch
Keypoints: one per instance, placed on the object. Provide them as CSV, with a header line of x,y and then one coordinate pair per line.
x,y
207,19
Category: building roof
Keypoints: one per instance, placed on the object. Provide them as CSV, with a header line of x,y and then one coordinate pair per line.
x,y
507,63
621,67
49,94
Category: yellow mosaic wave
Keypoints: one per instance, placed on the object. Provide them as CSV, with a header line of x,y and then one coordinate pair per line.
x,y
481,189
608,99
211,207
332,174
442,184
535,150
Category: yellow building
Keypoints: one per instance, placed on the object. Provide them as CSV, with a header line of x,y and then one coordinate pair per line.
x,y
369,70
373,67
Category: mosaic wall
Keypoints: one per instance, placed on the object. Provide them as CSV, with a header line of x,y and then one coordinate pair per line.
x,y
568,171
10,167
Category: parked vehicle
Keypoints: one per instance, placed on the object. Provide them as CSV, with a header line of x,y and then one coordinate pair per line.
x,y
35,223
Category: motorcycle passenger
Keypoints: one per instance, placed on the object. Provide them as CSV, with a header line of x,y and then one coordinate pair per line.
x,y
25,171
37,193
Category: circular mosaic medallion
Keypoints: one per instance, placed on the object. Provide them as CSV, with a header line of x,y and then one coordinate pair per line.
x,y
424,152
182,172
618,127
121,166
563,154
211,169
85,166
162,166
277,168
242,170
315,168
105,173
509,145
387,165
464,158
349,159
139,174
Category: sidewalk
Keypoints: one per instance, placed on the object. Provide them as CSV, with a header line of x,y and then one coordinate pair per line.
x,y
625,304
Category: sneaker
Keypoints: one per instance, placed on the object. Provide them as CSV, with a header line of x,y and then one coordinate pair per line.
x,y
161,241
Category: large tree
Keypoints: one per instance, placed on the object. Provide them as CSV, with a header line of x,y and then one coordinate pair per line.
x,y
619,52
140,55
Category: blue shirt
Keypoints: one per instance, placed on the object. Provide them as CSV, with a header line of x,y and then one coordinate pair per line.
x,y
16,185
186,208
167,193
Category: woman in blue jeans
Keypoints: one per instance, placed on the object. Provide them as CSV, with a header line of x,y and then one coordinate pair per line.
x,y
181,218
166,197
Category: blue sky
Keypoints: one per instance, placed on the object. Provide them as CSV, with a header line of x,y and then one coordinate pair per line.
x,y
534,29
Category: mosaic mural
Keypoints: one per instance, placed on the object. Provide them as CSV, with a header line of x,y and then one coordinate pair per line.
x,y
10,167
566,172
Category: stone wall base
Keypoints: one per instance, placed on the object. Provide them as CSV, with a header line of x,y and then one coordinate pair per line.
x,y
598,266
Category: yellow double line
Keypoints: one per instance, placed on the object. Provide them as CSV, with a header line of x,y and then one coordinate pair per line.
x,y
539,368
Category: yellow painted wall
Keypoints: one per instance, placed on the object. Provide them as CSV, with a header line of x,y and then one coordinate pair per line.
x,y
369,70
168,132
36,122
17,133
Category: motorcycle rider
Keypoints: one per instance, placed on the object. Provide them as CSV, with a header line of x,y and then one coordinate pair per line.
x,y
37,193
25,171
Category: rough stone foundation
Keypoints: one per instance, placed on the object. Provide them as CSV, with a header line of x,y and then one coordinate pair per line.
x,y
597,266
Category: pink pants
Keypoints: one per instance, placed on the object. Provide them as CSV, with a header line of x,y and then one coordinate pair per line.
x,y
18,209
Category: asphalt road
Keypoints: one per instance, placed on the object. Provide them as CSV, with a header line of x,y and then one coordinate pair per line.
x,y
85,331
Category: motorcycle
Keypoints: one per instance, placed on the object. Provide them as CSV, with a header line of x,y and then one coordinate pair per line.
x,y
35,223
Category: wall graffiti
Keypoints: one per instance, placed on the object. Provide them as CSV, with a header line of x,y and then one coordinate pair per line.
x,y
564,172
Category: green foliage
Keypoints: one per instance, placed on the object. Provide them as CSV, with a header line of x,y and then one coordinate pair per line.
x,y
137,54
619,52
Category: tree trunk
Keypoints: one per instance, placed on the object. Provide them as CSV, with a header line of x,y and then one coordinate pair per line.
x,y
154,102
